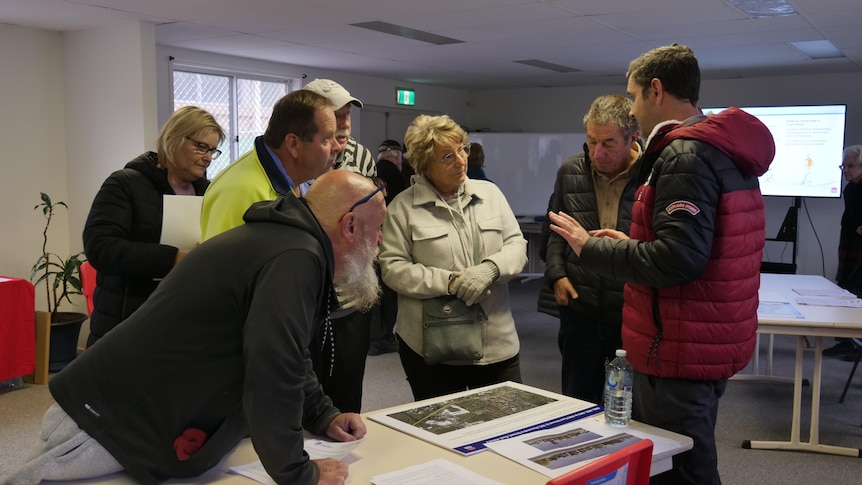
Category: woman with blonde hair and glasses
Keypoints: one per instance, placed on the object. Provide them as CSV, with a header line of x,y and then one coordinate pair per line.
x,y
123,229
449,235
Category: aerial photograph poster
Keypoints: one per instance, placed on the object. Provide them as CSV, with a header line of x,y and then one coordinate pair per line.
x,y
465,422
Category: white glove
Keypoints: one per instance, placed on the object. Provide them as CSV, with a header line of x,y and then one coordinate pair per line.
x,y
472,283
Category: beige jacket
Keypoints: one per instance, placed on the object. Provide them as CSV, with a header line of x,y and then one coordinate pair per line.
x,y
425,240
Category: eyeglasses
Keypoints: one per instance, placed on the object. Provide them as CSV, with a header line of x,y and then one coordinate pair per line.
x,y
851,166
202,148
449,159
368,197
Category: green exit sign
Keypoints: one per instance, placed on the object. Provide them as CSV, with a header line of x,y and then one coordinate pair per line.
x,y
406,97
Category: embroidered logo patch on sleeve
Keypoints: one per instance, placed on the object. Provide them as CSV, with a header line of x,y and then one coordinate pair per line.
x,y
682,205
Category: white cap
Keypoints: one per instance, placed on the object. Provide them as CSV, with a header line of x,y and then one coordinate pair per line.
x,y
338,96
620,353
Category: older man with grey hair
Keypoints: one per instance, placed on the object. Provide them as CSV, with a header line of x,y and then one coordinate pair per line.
x,y
339,351
353,156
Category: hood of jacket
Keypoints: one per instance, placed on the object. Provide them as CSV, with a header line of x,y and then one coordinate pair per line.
x,y
292,211
739,135
148,165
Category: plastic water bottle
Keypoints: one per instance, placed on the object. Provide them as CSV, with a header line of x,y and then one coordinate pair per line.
x,y
618,390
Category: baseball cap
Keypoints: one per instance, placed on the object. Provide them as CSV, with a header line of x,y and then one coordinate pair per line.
x,y
335,92
388,145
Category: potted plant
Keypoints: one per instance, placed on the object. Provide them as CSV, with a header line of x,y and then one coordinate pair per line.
x,y
62,279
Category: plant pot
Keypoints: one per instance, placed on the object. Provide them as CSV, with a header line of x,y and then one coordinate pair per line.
x,y
64,339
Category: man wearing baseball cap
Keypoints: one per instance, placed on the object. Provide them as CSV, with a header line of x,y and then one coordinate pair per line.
x,y
339,356
353,157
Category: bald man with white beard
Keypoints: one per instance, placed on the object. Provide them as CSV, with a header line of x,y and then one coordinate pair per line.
x,y
219,352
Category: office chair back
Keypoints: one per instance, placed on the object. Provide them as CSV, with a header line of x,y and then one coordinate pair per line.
x,y
634,460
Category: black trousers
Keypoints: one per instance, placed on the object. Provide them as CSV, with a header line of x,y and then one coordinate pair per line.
x,y
341,378
428,381
585,345
383,322
686,407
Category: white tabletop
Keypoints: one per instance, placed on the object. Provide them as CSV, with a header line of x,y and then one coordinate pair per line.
x,y
386,450
826,321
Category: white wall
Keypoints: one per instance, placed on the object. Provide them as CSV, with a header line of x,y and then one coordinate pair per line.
x,y
33,137
562,109
76,107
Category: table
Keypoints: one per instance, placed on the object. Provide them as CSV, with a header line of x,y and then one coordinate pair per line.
x,y
17,328
818,322
532,231
386,449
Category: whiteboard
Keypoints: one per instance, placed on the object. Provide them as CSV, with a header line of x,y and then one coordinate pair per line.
x,y
524,165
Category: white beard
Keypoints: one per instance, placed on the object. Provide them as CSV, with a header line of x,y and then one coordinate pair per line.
x,y
357,282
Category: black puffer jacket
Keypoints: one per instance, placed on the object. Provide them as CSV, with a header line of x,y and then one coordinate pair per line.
x,y
121,240
574,194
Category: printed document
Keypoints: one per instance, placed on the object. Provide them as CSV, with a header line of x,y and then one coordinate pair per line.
x,y
466,421
181,221
434,472
316,449
557,451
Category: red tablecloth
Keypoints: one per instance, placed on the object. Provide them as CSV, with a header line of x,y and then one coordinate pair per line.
x,y
17,328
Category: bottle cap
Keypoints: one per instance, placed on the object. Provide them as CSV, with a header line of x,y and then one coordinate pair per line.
x,y
620,353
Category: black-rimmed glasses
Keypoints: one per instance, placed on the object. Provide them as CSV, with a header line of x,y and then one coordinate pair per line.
x,y
368,197
450,158
202,148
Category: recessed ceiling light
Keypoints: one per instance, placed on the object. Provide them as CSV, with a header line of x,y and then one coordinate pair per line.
x,y
547,65
764,9
407,33
818,49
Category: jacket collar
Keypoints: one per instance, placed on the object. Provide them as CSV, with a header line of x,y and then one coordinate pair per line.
x,y
425,193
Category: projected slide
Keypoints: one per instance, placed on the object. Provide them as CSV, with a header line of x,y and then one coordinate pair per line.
x,y
809,141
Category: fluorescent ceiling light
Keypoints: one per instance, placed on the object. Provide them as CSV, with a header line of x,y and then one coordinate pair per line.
x,y
818,49
547,65
764,9
407,32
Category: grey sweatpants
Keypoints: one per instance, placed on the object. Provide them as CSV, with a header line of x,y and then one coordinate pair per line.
x,y
64,452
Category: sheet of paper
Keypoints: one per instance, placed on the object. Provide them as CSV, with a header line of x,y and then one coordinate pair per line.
x,y
181,221
434,472
465,422
834,292
315,448
772,296
830,301
557,451
254,471
768,309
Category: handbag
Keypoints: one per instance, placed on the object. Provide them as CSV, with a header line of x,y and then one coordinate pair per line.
x,y
451,330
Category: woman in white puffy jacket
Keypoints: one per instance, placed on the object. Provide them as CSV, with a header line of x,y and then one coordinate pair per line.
x,y
447,234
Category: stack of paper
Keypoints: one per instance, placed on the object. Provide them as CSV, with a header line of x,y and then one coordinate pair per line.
x,y
835,297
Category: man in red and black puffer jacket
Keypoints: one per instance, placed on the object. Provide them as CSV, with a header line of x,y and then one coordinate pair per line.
x,y
692,265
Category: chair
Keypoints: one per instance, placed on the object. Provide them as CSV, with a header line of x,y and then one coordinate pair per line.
x,y
88,282
858,343
637,456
